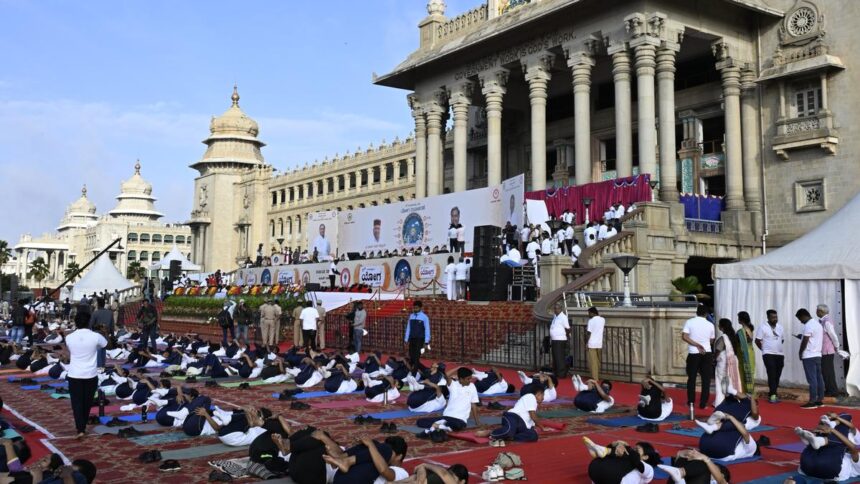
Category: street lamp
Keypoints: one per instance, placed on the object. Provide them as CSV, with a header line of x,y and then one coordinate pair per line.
x,y
280,243
653,184
587,202
626,263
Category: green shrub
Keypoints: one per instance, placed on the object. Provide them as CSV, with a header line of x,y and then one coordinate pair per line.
x,y
208,307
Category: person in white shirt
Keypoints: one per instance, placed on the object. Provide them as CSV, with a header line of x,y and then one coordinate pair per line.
x,y
602,231
514,255
568,238
559,335
452,238
609,214
592,396
611,232
332,273
82,374
575,252
546,245
590,234
524,237
310,319
559,241
596,322
770,338
451,279
655,405
460,276
699,334
370,461
829,350
631,208
532,251
810,355
322,244
519,423
619,209
615,460
462,401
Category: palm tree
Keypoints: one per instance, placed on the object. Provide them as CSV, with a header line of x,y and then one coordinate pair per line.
x,y
71,271
39,270
135,271
5,255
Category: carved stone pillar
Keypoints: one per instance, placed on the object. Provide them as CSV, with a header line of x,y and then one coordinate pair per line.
x,y
493,87
420,147
645,64
751,153
623,110
537,69
666,86
435,110
460,100
581,63
731,77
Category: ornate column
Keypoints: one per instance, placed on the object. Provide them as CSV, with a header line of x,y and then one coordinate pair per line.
x,y
666,86
749,124
731,76
537,69
420,146
493,87
623,109
460,100
410,169
435,110
581,61
644,45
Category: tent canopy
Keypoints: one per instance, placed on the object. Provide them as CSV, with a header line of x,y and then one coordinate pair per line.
x,y
102,276
174,254
827,252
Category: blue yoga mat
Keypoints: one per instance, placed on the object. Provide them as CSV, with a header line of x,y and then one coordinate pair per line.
x,y
392,414
62,384
30,387
514,394
304,395
698,432
630,420
659,475
795,447
128,418
40,379
780,478
738,461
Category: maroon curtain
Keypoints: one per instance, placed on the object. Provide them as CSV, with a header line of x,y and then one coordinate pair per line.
x,y
628,190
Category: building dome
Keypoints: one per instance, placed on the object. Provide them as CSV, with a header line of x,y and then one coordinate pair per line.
x,y
80,213
232,141
234,122
135,199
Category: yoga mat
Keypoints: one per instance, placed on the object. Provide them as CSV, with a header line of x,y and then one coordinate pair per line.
x,y
469,437
253,383
698,431
147,427
572,412
485,420
780,478
626,421
161,438
128,418
794,447
392,414
337,404
62,384
204,378
738,461
30,387
40,379
60,395
304,395
557,401
201,451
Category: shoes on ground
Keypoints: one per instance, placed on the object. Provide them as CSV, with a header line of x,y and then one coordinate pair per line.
x,y
220,476
297,405
388,428
494,473
438,436
150,456
170,466
495,406
648,428
115,422
129,432
244,386
211,384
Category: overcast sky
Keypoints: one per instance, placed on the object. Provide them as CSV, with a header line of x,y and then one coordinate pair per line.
x,y
86,88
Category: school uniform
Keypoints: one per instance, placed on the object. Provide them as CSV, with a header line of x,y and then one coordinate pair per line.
x,y
377,391
456,414
238,433
625,469
829,463
654,409
363,470
517,424
490,383
337,383
591,401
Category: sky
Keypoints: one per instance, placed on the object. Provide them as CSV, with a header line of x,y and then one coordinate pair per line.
x,y
87,88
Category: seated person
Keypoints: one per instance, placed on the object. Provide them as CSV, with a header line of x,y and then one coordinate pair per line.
x,y
462,401
431,394
547,382
830,454
690,465
367,462
592,397
619,463
491,383
266,448
274,372
728,439
741,407
655,405
165,415
308,374
381,388
243,427
518,423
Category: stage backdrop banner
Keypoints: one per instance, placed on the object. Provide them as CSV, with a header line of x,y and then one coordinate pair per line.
x,y
322,233
425,222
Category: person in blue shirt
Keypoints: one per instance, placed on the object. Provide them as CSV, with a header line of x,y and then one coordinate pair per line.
x,y
417,333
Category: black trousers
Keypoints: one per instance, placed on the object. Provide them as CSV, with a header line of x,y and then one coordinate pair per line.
x,y
559,358
773,366
569,244
310,337
701,364
828,370
415,345
82,393
331,281
453,245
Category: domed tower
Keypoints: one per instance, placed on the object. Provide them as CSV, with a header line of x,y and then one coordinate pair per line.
x,y
221,218
79,215
135,200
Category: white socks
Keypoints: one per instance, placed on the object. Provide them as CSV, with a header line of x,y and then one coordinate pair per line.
x,y
810,439
674,473
644,400
708,427
523,378
578,385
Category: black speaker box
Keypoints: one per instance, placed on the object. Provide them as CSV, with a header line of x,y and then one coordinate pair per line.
x,y
175,270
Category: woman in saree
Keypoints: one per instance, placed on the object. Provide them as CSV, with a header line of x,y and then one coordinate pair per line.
x,y
746,352
727,372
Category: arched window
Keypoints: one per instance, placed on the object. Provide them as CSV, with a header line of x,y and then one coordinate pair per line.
x,y
188,240
289,225
156,256
272,226
156,239
168,239
180,239
144,255
132,237
144,237
132,255
299,222
281,227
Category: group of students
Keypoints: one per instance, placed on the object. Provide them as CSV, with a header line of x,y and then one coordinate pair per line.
x,y
457,277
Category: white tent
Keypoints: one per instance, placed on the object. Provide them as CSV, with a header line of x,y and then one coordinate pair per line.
x,y
819,268
103,275
174,254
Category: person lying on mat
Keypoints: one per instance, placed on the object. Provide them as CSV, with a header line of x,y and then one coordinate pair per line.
x,y
547,382
434,374
433,474
620,463
727,438
655,405
741,407
244,426
592,397
369,462
246,367
339,381
381,388
518,424
491,383
830,454
26,357
844,424
462,401
50,470
309,373
693,466
43,365
275,372
210,366
430,395
267,447
58,370
149,391
175,401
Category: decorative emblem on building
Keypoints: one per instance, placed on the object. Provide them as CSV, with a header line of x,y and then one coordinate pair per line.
x,y
801,22
204,196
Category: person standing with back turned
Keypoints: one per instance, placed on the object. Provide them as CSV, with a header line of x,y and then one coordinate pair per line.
x,y
595,341
559,335
699,334
810,355
83,345
417,333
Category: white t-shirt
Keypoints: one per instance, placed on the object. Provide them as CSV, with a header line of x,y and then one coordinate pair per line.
x,y
595,328
546,247
772,338
557,328
524,234
636,477
240,439
742,450
452,233
323,247
460,400
83,347
309,317
461,271
527,403
461,234
332,269
815,331
701,331
532,249
515,255
577,250
568,233
451,271
399,475
601,232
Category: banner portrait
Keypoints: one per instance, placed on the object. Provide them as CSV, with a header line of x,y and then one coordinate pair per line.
x,y
322,234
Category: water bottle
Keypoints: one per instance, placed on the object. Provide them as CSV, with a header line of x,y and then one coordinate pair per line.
x,y
101,403
143,416
692,412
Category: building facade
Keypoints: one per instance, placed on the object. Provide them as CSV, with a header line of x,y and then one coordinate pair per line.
x,y
82,234
746,99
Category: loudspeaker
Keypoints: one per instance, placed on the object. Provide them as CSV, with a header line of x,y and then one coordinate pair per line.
x,y
484,245
175,270
313,286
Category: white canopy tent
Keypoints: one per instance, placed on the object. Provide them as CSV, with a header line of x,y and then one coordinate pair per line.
x,y
174,254
102,276
819,268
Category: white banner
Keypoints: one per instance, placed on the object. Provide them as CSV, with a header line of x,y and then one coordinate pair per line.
x,y
371,276
322,234
425,222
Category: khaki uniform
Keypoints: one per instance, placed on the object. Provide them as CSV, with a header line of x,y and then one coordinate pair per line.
x,y
321,330
269,316
297,327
